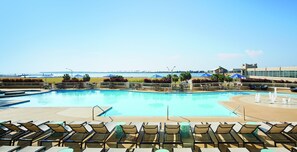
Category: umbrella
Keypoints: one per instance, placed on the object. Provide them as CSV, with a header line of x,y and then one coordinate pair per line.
x,y
78,76
110,76
237,76
206,75
156,76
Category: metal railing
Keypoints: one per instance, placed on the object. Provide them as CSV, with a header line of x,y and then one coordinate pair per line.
x,y
93,112
243,111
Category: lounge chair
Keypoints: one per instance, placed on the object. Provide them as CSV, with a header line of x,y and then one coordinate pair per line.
x,y
33,149
182,150
277,149
60,149
247,133
59,131
80,133
151,133
143,150
172,133
276,132
131,133
9,148
93,150
117,150
3,130
294,149
101,131
223,133
37,131
201,134
237,150
293,89
210,150
291,131
14,132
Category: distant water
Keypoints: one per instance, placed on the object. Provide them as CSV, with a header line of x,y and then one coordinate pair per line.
x,y
100,74
124,74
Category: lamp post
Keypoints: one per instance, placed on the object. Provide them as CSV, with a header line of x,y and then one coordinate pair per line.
x,y
171,73
71,71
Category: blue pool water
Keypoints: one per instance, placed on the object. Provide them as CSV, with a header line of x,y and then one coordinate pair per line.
x,y
126,103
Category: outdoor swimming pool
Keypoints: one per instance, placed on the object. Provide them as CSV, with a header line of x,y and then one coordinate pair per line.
x,y
127,103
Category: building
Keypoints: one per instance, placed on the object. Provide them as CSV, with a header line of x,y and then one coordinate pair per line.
x,y
235,70
219,70
273,73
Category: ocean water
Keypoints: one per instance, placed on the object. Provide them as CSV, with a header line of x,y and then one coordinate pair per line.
x,y
100,74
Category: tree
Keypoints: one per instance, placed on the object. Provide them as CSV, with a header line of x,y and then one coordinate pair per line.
x,y
220,78
86,78
185,76
228,78
175,78
168,76
66,77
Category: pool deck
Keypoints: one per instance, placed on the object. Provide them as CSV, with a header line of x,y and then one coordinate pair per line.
x,y
4,103
49,113
263,111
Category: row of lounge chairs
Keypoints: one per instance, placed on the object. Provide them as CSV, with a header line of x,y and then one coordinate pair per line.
x,y
138,134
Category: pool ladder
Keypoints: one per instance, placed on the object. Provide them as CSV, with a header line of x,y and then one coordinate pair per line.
x,y
93,112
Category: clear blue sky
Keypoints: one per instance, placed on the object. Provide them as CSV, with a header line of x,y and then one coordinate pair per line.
x,y
110,35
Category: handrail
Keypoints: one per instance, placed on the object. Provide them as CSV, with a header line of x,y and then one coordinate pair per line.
x,y
167,112
243,111
93,118
94,109
236,109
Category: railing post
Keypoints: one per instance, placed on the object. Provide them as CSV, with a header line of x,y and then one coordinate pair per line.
x,y
243,113
93,113
167,112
